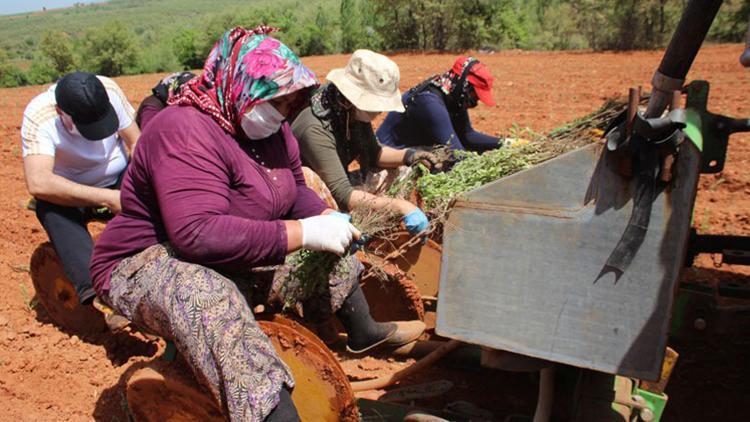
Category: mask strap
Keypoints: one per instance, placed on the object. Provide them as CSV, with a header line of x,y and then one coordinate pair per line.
x,y
348,132
459,96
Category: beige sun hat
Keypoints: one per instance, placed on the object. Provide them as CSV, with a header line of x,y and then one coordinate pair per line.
x,y
369,81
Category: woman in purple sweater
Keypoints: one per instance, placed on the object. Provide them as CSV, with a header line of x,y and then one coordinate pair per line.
x,y
215,189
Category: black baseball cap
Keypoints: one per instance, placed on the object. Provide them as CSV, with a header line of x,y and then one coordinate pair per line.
x,y
83,96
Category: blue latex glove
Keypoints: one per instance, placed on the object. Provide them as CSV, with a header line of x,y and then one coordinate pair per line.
x,y
416,222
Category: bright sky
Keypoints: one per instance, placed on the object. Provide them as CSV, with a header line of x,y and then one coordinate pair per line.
x,y
8,7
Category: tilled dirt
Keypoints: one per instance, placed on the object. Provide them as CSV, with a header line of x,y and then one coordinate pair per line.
x,y
49,374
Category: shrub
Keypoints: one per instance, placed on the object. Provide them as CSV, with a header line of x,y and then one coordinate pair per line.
x,y
11,76
42,71
189,48
58,48
110,50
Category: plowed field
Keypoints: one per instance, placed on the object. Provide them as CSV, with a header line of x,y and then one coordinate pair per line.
x,y
47,374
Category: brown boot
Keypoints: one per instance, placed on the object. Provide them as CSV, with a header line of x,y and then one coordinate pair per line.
x,y
403,332
115,322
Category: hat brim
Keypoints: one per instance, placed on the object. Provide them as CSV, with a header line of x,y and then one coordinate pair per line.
x,y
485,96
102,128
364,101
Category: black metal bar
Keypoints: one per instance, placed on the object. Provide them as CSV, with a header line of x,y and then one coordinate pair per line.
x,y
713,243
735,257
734,290
734,250
688,37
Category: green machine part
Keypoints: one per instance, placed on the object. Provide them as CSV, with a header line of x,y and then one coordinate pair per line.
x,y
708,131
653,404
615,398
693,128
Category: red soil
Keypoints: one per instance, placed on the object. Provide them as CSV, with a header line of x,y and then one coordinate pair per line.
x,y
48,374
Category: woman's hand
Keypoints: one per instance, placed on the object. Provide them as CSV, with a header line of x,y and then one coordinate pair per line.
x,y
112,201
414,219
329,233
416,222
426,158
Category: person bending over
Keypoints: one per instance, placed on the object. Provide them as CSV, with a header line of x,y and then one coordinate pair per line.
x,y
77,138
213,203
437,111
336,129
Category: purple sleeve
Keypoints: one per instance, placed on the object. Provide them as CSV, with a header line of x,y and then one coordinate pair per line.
x,y
192,189
149,108
308,203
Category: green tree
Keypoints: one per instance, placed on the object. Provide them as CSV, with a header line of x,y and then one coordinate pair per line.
x,y
189,49
371,38
160,57
398,26
316,38
216,27
631,24
41,71
10,74
471,24
58,48
590,16
110,50
557,29
351,26
731,22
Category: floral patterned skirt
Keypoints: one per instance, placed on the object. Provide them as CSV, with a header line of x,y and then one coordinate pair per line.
x,y
208,317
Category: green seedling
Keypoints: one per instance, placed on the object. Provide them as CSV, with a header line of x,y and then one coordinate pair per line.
x,y
30,301
20,268
717,183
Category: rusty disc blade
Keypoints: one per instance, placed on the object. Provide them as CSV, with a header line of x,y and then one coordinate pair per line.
x,y
165,391
57,295
322,391
396,298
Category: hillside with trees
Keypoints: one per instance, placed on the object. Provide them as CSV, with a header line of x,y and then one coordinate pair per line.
x,y
145,36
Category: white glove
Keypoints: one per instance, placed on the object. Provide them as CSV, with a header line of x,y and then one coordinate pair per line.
x,y
327,233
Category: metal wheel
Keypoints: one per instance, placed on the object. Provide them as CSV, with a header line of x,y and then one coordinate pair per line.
x,y
57,295
322,392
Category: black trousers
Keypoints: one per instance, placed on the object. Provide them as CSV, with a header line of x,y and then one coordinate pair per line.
x,y
67,230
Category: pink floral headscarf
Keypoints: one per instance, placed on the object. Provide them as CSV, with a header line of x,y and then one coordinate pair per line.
x,y
244,68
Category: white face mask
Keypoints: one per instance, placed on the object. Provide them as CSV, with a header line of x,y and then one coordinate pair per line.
x,y
364,116
262,121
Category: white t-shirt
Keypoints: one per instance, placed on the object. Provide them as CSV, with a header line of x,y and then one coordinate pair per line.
x,y
91,163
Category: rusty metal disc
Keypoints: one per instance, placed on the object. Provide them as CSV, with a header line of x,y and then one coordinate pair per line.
x,y
322,392
167,391
396,298
58,296
421,263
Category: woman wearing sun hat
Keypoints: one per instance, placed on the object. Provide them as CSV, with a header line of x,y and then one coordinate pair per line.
x,y
437,111
336,129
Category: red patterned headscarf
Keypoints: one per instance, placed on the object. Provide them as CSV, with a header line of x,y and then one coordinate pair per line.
x,y
244,68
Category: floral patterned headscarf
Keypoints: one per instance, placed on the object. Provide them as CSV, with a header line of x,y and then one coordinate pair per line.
x,y
244,68
454,84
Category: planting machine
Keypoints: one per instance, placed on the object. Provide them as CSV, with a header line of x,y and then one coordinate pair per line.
x,y
573,263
